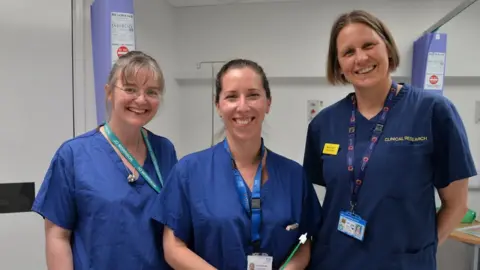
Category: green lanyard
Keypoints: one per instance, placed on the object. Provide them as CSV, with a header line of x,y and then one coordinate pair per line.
x,y
113,138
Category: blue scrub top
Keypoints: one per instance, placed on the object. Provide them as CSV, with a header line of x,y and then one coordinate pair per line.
x,y
200,203
424,146
86,191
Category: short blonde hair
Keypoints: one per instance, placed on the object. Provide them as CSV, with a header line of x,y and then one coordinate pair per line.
x,y
334,75
129,64
126,68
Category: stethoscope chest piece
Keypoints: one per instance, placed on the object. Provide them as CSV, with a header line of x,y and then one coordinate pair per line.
x,y
131,178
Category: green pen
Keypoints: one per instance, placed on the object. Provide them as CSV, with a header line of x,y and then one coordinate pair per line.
x,y
302,239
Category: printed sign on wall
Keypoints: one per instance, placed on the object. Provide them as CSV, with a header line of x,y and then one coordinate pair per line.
x,y
122,34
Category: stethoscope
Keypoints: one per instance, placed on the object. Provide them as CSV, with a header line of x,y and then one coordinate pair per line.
x,y
131,177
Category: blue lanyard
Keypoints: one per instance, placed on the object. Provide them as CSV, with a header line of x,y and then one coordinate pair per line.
x,y
114,139
255,210
377,132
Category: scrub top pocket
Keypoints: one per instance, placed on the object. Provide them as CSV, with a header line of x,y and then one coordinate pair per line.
x,y
334,169
416,260
407,168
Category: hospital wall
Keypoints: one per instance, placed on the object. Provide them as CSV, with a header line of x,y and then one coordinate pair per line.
x,y
36,112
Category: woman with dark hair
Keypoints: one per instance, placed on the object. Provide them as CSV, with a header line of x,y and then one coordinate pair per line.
x,y
238,203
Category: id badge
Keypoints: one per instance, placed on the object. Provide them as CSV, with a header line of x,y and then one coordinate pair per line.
x,y
259,262
352,225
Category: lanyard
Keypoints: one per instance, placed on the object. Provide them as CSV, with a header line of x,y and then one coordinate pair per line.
x,y
255,211
114,139
377,132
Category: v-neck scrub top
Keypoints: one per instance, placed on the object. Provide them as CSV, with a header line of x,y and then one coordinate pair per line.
x,y
424,147
86,191
200,203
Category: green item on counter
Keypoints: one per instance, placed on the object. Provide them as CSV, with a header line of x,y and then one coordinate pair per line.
x,y
469,217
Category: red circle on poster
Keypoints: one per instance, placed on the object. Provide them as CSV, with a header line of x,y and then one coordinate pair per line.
x,y
433,79
122,50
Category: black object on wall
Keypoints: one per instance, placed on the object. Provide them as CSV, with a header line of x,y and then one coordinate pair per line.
x,y
16,197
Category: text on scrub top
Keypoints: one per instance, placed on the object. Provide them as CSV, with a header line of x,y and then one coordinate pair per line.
x,y
406,138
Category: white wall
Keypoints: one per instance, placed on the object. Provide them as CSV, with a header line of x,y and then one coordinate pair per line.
x,y
291,39
35,112
463,39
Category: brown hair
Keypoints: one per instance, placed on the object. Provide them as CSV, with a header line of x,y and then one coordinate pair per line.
x,y
358,16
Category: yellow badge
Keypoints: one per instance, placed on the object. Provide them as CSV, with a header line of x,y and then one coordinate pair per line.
x,y
331,149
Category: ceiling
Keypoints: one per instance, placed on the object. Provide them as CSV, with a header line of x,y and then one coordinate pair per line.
x,y
192,3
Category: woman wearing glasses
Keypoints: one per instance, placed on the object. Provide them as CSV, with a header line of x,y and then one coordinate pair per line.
x,y
100,185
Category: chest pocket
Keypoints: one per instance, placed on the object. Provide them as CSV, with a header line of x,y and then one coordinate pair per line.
x,y
334,167
408,168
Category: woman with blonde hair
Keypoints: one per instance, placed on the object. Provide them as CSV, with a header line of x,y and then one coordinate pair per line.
x,y
100,185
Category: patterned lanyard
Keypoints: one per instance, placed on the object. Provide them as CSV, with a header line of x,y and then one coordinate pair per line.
x,y
377,132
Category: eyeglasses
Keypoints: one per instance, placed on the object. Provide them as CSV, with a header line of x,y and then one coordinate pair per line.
x,y
150,93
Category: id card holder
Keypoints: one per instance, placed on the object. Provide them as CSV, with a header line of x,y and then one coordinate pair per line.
x,y
352,225
259,262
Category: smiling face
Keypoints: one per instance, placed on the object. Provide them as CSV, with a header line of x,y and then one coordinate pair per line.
x,y
135,99
362,51
362,55
242,102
